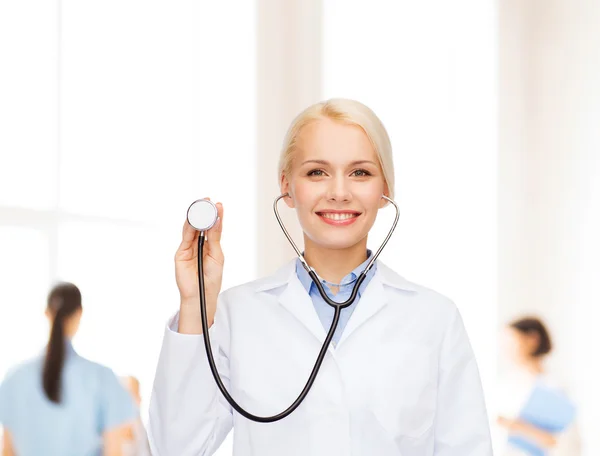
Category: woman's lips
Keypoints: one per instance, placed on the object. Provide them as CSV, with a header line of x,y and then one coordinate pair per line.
x,y
338,218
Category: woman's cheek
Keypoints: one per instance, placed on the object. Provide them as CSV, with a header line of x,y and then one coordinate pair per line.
x,y
372,202
299,190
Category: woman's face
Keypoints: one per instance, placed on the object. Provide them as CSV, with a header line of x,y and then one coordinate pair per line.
x,y
335,184
518,346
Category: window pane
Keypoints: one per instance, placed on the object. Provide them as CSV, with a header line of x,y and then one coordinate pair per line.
x,y
24,283
28,103
160,125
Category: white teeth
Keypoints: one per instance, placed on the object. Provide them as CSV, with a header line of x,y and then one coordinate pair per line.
x,y
334,216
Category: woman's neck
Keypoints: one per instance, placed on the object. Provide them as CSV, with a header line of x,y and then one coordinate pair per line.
x,y
534,366
334,264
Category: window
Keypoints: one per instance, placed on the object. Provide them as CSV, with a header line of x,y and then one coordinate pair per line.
x,y
114,129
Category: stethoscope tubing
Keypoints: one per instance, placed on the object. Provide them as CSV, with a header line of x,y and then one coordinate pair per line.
x,y
336,318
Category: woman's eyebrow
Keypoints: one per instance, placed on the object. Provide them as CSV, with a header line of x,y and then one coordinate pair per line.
x,y
354,163
319,162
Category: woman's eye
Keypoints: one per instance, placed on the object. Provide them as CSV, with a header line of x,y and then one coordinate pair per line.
x,y
361,173
316,172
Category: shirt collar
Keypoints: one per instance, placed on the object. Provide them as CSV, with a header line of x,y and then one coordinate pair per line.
x,y
307,282
69,349
287,273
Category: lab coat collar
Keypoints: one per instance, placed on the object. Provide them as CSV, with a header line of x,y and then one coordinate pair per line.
x,y
298,302
287,273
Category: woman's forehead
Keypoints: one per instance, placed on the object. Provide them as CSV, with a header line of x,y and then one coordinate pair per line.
x,y
334,141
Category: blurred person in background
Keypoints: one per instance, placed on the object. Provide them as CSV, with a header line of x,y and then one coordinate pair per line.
x,y
136,439
60,404
527,344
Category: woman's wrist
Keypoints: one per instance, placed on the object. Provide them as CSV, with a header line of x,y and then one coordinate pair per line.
x,y
190,319
544,438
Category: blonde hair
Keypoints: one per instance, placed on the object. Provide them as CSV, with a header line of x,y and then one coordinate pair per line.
x,y
350,112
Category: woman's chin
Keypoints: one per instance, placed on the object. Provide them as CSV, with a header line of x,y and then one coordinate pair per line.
x,y
333,242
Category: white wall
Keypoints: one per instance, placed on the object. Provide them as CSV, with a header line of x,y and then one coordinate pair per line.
x,y
513,165
549,193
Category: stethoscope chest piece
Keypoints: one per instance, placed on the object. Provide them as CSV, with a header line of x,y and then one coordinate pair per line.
x,y
202,214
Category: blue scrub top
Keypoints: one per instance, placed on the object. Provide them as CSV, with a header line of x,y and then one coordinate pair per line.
x,y
93,401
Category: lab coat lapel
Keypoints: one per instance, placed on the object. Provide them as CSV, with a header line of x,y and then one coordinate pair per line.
x,y
294,298
373,299
298,302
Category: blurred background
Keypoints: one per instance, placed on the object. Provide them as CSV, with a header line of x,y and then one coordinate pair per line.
x,y
116,115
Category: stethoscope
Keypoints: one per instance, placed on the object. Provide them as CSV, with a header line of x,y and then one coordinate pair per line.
x,y
202,215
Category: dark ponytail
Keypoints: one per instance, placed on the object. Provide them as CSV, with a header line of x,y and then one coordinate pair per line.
x,y
64,300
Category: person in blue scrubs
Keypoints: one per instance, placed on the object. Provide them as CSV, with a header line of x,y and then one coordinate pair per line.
x,y
61,404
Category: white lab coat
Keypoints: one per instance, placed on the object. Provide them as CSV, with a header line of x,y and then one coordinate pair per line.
x,y
401,381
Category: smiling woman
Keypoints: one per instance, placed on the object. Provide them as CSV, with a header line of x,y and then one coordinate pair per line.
x,y
399,376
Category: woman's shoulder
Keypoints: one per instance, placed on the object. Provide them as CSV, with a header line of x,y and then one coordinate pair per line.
x,y
279,278
104,384
20,372
98,369
21,380
411,291
92,374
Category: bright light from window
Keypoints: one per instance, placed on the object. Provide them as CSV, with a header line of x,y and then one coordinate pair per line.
x,y
157,107
24,268
28,101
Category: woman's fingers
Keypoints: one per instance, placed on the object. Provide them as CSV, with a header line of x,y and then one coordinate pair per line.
x,y
189,236
214,234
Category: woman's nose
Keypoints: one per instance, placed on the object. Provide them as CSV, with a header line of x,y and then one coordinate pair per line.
x,y
339,190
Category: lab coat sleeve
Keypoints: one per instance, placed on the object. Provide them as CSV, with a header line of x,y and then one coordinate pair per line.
x,y
188,414
461,426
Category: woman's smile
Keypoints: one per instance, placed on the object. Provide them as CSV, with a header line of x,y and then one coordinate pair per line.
x,y
338,218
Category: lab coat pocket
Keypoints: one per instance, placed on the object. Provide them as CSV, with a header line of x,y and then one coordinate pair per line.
x,y
407,391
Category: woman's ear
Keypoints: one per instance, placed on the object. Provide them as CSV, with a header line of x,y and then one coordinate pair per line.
x,y
383,203
287,188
